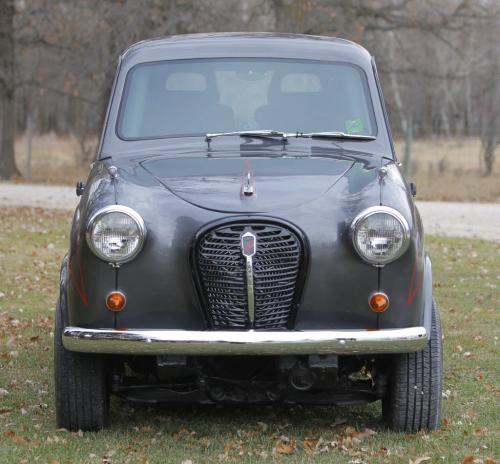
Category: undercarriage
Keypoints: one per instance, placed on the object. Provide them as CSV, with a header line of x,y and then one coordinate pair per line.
x,y
314,379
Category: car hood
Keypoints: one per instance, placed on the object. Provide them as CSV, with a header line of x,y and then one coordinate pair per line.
x,y
219,183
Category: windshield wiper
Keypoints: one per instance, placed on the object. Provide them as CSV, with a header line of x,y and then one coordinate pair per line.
x,y
269,133
333,135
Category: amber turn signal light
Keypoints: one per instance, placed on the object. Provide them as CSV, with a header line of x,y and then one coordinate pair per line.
x,y
379,302
115,301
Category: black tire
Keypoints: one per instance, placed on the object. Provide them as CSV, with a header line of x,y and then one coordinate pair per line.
x,y
413,400
81,387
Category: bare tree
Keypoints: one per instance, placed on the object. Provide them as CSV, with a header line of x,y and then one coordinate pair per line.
x,y
487,79
436,58
7,89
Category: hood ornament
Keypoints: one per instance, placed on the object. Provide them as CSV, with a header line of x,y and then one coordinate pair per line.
x,y
248,188
248,249
248,182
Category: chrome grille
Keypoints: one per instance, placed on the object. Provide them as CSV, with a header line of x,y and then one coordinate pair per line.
x,y
221,270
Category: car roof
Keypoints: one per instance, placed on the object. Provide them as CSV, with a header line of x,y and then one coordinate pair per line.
x,y
246,44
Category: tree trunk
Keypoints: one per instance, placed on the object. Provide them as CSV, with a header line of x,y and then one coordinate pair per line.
x,y
408,143
488,156
30,128
7,90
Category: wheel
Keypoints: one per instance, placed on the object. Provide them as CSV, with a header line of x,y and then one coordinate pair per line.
x,y
413,400
81,387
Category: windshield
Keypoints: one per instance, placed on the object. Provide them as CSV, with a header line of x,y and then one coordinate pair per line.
x,y
193,97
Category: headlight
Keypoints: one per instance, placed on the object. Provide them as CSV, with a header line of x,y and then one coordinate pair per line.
x,y
116,234
380,235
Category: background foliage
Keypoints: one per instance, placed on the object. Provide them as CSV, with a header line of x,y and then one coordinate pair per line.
x,y
438,59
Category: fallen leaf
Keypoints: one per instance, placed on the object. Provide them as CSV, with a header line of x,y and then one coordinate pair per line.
x,y
310,445
481,431
14,437
468,460
228,447
286,447
355,437
420,460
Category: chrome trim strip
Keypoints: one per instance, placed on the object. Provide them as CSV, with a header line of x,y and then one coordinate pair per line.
x,y
250,291
248,254
185,342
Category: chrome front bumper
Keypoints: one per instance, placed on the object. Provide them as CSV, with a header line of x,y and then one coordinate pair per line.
x,y
185,342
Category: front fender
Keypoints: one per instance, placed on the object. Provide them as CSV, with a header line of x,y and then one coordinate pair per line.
x,y
405,279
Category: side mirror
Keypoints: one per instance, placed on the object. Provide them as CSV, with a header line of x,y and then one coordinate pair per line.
x,y
80,188
413,188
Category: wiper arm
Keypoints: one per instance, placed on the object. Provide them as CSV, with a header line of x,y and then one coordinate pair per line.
x,y
249,133
334,135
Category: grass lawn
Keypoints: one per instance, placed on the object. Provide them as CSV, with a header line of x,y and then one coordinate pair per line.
x,y
467,287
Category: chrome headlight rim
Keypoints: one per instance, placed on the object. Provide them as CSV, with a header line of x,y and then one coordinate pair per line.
x,y
365,214
134,215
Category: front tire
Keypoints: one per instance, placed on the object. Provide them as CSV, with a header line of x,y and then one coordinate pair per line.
x,y
81,387
413,400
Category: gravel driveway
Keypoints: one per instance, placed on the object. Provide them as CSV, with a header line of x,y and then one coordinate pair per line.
x,y
480,220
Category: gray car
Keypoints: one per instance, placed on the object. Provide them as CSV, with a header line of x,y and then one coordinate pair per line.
x,y
245,235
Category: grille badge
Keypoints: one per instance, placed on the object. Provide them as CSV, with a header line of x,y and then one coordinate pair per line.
x,y
248,244
248,249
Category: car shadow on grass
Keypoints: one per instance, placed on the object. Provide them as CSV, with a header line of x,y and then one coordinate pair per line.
x,y
227,418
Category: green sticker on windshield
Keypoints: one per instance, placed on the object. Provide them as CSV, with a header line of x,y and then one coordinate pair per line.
x,y
354,126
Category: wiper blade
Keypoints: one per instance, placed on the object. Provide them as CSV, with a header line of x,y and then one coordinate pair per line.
x,y
249,133
334,135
